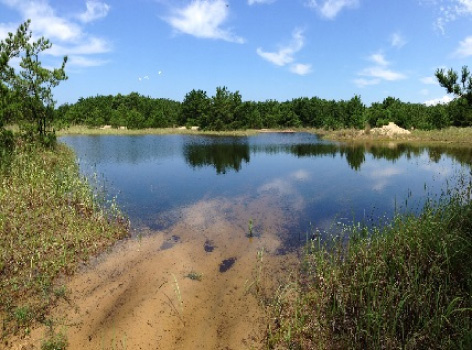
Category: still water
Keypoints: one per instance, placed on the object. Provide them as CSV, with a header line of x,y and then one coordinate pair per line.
x,y
305,183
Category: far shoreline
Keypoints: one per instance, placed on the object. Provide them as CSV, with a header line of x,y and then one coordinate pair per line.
x,y
451,135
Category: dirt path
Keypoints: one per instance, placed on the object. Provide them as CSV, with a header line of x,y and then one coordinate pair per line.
x,y
140,296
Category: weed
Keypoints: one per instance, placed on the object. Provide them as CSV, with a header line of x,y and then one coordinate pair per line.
x,y
195,276
50,220
56,341
23,315
60,292
250,228
406,285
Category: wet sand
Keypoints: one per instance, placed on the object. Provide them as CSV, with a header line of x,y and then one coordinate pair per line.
x,y
141,294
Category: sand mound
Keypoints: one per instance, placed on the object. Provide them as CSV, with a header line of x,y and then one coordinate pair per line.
x,y
391,129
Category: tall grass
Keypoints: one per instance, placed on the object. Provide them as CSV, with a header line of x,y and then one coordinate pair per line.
x,y
405,286
50,221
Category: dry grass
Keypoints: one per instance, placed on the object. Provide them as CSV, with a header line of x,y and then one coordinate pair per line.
x,y
448,135
84,130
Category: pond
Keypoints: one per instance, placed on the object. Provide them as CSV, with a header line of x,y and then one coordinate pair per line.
x,y
290,184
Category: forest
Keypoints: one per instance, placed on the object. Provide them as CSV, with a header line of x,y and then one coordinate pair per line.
x,y
226,110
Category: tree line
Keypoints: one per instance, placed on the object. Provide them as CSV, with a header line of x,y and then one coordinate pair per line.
x,y
226,110
26,100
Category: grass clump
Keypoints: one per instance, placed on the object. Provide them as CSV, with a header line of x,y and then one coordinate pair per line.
x,y
195,276
406,286
50,221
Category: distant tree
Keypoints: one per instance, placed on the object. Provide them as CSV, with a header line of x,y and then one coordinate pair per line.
x,y
450,81
195,108
27,94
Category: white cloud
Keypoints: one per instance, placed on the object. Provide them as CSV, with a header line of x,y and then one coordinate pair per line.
x,y
366,82
378,72
301,175
442,100
285,54
81,61
381,176
44,21
252,2
429,81
92,46
379,59
67,37
382,73
300,68
331,8
95,10
6,28
203,19
278,185
465,47
398,40
450,11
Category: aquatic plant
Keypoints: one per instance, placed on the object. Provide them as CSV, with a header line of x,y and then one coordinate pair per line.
x,y
250,227
194,276
406,285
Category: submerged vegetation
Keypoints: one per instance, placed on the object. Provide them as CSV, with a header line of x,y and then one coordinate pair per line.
x,y
50,221
405,286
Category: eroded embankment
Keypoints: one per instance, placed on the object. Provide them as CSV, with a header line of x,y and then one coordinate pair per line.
x,y
142,296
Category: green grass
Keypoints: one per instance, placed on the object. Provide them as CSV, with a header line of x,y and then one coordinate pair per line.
x,y
405,286
50,221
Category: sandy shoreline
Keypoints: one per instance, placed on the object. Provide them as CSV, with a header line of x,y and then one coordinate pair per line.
x,y
139,296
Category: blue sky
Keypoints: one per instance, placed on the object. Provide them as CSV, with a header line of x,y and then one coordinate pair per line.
x,y
265,49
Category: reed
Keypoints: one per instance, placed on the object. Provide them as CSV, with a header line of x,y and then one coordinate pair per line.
x,y
406,285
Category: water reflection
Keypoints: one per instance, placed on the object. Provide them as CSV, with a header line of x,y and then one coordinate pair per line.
x,y
226,154
223,156
281,182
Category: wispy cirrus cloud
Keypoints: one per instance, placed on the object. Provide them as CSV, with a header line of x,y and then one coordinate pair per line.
x,y
95,10
449,11
203,19
377,73
67,36
286,54
331,8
